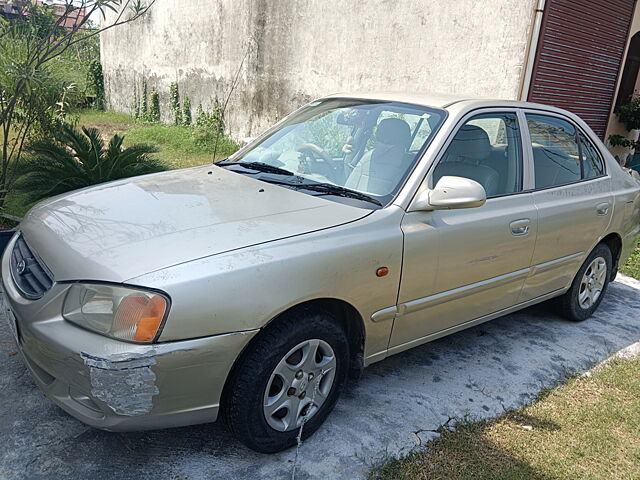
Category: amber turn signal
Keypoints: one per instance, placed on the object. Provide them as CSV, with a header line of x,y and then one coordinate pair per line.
x,y
144,313
151,319
382,271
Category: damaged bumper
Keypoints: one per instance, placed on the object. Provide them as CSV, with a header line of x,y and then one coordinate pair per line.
x,y
115,385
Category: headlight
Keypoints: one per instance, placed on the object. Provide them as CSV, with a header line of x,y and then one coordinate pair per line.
x,y
119,312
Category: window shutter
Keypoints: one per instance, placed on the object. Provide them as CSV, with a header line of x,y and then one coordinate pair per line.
x,y
579,57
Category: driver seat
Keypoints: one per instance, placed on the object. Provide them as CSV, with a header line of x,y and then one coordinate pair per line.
x,y
379,170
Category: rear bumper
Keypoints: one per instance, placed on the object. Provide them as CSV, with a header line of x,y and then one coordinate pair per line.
x,y
116,385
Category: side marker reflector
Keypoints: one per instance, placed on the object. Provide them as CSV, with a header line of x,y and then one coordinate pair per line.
x,y
382,271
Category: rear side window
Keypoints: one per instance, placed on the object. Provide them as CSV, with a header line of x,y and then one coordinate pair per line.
x,y
556,156
561,153
591,160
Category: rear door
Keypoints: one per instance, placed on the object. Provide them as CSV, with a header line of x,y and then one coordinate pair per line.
x,y
573,198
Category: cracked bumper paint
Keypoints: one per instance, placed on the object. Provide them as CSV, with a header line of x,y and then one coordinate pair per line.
x,y
120,386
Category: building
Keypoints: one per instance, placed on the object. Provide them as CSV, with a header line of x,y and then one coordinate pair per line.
x,y
277,54
15,8
11,8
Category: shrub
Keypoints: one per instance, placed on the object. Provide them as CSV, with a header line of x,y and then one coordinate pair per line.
x,y
144,108
629,113
174,97
154,110
76,159
200,115
210,121
95,83
136,103
186,112
44,68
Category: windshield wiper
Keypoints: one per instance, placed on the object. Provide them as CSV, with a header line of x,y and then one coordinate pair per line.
x,y
258,166
326,188
339,191
330,189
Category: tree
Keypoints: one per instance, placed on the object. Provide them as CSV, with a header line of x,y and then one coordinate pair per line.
x,y
29,91
76,159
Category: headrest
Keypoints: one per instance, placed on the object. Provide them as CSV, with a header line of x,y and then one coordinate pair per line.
x,y
394,131
471,142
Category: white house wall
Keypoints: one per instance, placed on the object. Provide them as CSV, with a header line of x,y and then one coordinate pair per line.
x,y
300,50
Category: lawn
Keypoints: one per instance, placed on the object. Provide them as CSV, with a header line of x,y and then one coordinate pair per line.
x,y
586,429
632,267
178,146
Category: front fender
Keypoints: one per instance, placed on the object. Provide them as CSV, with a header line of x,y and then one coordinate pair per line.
x,y
244,289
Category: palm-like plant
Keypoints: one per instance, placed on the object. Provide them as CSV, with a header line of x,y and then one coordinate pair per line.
x,y
76,159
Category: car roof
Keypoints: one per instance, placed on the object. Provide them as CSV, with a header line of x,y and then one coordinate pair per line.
x,y
443,101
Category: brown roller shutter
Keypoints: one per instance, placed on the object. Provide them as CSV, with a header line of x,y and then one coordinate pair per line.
x,y
579,56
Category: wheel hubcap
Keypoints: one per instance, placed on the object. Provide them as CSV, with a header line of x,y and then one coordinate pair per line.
x,y
592,283
299,385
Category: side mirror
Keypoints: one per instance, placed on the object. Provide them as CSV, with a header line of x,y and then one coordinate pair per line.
x,y
450,193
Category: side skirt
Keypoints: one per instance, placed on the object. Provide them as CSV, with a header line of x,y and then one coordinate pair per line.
x,y
376,357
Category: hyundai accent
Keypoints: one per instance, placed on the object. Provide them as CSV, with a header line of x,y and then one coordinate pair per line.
x,y
356,228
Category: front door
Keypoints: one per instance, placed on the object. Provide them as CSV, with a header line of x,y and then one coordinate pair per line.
x,y
460,265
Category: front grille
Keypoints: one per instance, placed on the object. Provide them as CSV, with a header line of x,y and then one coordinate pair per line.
x,y
30,276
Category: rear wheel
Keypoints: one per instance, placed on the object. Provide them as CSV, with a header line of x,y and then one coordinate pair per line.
x,y
290,378
589,285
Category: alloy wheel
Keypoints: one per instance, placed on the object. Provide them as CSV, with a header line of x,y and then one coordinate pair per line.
x,y
299,385
592,283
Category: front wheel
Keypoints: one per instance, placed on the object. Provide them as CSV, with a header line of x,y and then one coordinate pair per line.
x,y
290,378
589,285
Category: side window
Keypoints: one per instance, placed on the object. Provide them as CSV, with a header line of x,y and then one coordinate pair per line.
x,y
555,151
591,160
486,149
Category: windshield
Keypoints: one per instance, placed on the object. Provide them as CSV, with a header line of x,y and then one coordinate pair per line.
x,y
352,151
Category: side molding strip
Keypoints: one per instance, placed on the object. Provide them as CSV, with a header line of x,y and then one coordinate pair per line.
x,y
556,263
390,313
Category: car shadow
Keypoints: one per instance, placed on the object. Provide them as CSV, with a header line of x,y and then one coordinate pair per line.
x,y
395,406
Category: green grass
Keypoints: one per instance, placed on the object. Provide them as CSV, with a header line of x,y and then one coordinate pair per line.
x,y
109,117
178,146
632,267
586,429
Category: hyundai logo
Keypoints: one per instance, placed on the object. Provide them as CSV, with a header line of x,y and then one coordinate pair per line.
x,y
21,267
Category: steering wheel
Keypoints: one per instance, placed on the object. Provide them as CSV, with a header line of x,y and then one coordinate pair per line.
x,y
311,153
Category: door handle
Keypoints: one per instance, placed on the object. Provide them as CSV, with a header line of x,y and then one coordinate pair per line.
x,y
520,227
602,208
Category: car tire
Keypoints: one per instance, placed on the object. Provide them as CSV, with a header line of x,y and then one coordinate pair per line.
x,y
589,285
266,397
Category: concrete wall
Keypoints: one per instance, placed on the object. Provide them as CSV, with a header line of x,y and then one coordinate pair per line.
x,y
300,50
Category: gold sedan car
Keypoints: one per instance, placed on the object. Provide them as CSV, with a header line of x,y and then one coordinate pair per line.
x,y
356,228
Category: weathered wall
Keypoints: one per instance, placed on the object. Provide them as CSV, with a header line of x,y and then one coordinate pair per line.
x,y
299,50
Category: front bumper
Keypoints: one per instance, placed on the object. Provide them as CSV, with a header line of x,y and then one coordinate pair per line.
x,y
116,385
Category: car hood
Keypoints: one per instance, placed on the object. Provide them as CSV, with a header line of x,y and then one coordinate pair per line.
x,y
120,230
